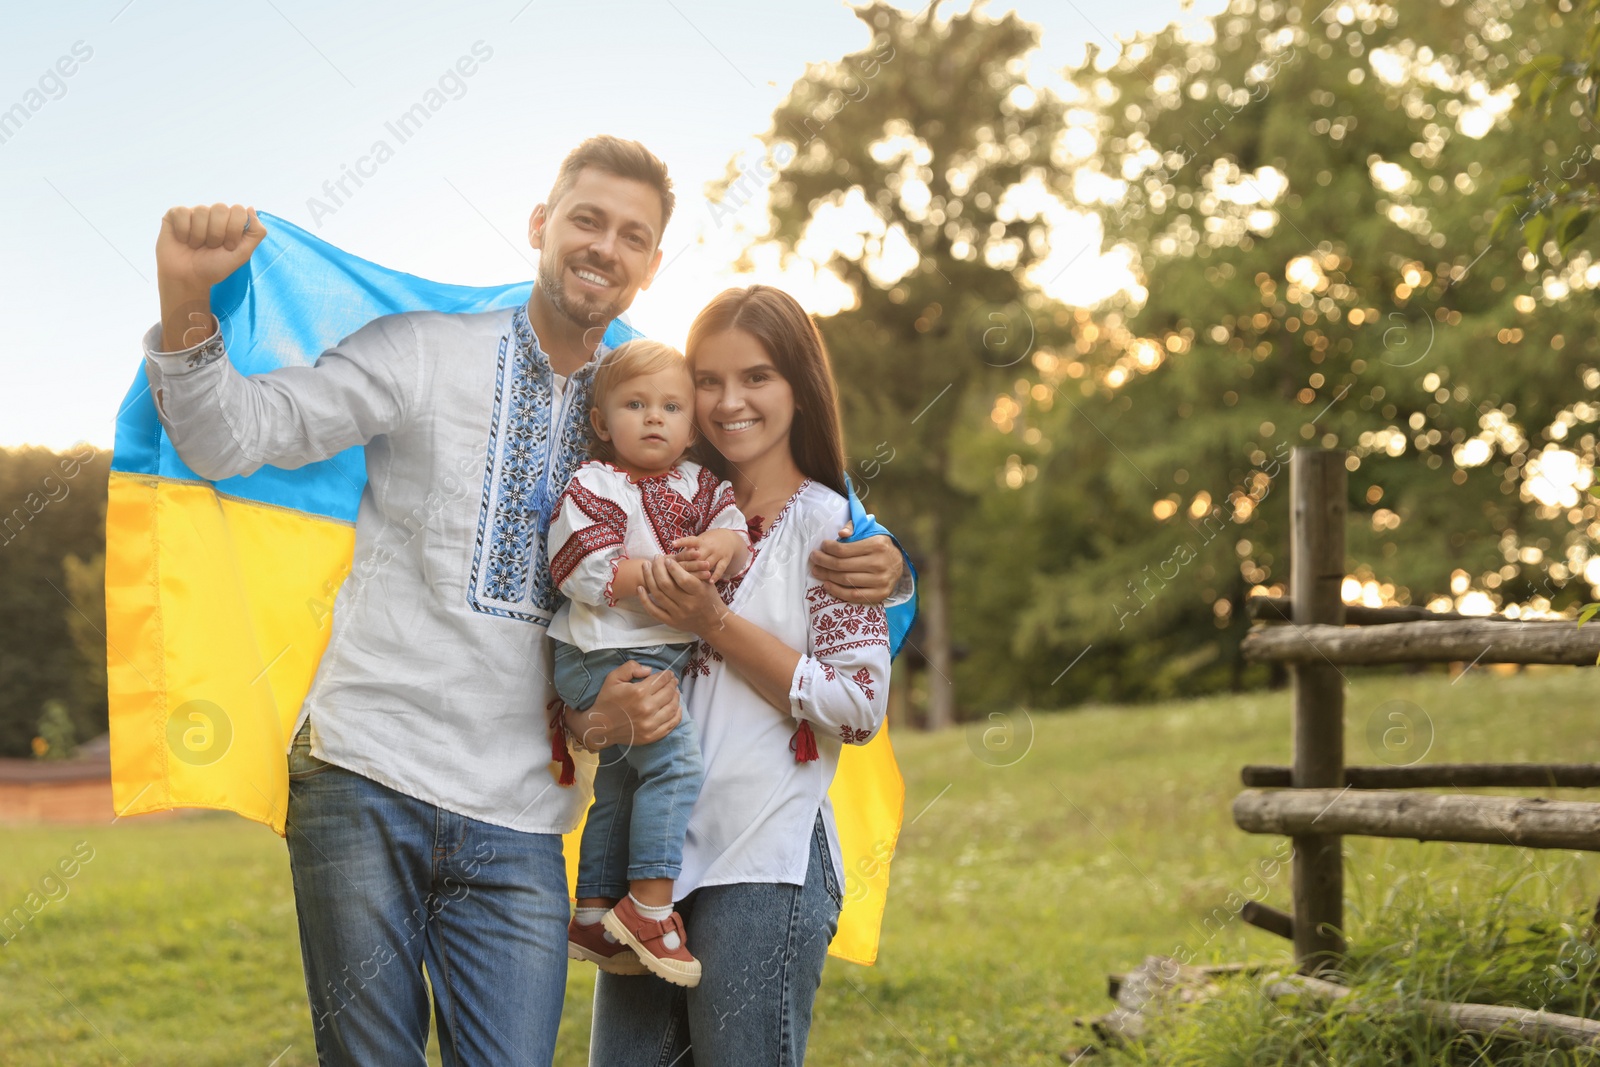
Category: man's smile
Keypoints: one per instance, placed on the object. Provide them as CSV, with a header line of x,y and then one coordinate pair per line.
x,y
593,278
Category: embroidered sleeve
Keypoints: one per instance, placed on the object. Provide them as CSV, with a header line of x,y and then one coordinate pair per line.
x,y
842,685
587,534
224,424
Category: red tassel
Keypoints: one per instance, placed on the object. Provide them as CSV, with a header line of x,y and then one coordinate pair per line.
x,y
558,745
804,743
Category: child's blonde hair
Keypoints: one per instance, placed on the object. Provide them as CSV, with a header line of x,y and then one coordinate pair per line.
x,y
629,360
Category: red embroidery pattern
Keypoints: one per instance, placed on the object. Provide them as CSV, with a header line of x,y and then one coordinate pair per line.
x,y
697,667
610,527
672,515
864,680
828,672
836,625
854,737
700,662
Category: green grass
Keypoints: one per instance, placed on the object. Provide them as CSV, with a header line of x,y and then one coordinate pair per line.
x,y
1015,891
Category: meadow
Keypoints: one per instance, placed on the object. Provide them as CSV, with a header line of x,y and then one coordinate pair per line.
x,y
1042,851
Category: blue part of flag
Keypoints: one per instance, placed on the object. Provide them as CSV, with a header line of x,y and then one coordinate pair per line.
x,y
863,524
297,297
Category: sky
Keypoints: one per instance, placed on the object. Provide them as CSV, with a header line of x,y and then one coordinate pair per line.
x,y
133,107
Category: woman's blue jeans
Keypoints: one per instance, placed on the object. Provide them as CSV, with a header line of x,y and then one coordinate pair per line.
x,y
387,886
762,946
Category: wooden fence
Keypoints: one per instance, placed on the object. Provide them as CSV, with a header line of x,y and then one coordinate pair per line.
x,y
1319,800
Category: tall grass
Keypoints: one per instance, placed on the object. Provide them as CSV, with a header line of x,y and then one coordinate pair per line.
x,y
1503,931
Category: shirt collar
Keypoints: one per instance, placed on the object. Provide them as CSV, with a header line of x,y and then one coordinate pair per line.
x,y
528,342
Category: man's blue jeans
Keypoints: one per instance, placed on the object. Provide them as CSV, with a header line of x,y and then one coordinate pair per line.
x,y
386,886
643,794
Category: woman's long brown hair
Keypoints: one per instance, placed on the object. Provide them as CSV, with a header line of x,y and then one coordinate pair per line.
x,y
791,340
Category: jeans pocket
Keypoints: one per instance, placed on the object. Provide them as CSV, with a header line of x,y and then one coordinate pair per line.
x,y
302,764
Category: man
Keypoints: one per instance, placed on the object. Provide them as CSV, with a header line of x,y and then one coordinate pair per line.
x,y
423,822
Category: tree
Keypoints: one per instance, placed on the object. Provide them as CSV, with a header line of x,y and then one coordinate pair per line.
x,y
920,150
51,505
1308,200
86,625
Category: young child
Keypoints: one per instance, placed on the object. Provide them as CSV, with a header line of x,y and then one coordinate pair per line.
x,y
636,499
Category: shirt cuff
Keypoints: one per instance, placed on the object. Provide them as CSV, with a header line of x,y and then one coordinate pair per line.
x,y
174,364
906,587
610,593
797,686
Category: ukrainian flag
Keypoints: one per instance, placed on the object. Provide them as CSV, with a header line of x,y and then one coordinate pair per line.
x,y
219,595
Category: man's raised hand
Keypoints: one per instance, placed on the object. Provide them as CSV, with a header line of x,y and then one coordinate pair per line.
x,y
196,249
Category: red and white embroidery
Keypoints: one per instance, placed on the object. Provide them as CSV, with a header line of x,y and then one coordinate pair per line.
x,y
610,528
854,736
700,662
828,672
673,515
864,680
837,626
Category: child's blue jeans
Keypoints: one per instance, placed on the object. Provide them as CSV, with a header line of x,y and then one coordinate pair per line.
x,y
643,794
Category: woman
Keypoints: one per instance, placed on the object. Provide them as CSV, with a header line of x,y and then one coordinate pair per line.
x,y
785,675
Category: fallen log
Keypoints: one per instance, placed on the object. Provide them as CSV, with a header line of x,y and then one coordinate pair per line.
x,y
1159,980
1491,1020
1443,775
1485,820
1455,640
1115,981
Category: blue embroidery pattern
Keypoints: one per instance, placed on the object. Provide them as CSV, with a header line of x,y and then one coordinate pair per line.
x,y
528,466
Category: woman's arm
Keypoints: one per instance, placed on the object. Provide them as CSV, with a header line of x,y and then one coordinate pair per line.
x,y
842,686
674,596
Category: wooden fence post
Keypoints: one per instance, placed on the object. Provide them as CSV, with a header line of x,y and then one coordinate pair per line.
x,y
1318,488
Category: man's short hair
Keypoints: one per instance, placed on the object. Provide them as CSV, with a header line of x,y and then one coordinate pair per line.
x,y
621,159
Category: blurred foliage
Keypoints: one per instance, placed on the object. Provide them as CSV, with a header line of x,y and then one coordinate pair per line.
x,y
57,736
913,143
1558,204
1308,200
1306,203
52,605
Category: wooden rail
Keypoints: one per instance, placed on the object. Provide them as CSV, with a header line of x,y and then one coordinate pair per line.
x,y
1450,641
1443,776
1483,820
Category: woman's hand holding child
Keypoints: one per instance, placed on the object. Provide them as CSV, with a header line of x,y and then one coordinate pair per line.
x,y
712,555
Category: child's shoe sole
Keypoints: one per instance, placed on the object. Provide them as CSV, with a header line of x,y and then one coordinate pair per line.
x,y
678,972
624,963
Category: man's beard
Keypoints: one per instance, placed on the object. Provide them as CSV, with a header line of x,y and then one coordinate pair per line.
x,y
583,313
